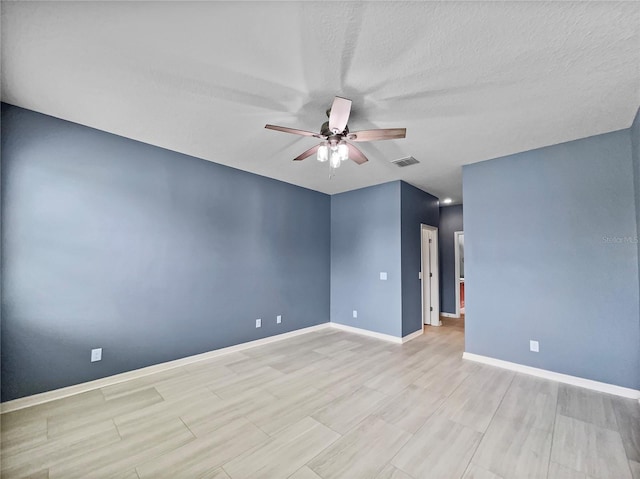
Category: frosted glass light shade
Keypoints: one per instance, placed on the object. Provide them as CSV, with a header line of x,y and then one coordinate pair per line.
x,y
335,159
323,153
343,150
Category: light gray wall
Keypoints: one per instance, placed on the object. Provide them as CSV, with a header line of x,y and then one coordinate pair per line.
x,y
418,207
147,253
365,241
550,257
450,222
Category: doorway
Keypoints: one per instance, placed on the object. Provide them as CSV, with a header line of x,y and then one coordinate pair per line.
x,y
430,276
458,245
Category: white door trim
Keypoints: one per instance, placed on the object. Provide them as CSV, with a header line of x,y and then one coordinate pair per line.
x,y
456,251
433,267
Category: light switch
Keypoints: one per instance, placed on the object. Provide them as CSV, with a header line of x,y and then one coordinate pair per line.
x,y
383,276
96,355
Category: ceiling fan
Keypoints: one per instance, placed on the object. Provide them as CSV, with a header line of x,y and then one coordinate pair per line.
x,y
335,133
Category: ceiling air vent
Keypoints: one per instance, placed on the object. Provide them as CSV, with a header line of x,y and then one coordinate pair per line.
x,y
402,162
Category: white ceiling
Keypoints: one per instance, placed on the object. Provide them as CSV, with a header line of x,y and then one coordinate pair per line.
x,y
469,81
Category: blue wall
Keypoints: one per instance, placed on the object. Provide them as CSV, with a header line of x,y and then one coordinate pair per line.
x,y
374,230
147,253
450,222
549,256
1,254
365,241
635,157
417,208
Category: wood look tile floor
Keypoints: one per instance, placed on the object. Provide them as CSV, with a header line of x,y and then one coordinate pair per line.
x,y
330,405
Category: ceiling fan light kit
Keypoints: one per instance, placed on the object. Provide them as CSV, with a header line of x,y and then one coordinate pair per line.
x,y
336,153
334,133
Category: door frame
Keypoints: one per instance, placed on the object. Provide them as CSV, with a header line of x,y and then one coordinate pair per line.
x,y
434,280
456,253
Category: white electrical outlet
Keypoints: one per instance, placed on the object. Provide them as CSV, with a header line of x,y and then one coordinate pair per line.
x,y
278,319
258,323
534,346
355,313
96,355
383,276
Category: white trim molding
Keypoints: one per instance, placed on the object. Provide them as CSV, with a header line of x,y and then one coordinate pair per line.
x,y
61,393
366,332
553,376
430,283
414,335
456,263
450,315
47,396
383,336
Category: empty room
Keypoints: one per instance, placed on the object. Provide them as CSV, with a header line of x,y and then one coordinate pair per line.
x,y
320,240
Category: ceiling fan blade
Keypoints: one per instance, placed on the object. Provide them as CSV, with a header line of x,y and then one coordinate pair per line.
x,y
339,116
307,153
294,131
373,135
356,155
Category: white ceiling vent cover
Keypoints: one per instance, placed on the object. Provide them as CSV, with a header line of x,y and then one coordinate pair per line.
x,y
408,161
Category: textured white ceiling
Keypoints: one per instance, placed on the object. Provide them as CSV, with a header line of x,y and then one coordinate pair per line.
x,y
469,81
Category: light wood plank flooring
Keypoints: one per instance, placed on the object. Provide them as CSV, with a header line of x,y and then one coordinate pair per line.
x,y
330,405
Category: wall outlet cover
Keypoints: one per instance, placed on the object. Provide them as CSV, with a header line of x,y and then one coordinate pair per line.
x,y
355,313
534,346
258,323
96,355
278,319
383,276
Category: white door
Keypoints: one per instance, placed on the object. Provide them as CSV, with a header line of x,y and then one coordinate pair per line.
x,y
458,242
430,276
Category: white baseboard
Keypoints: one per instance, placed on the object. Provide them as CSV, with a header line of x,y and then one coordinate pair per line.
x,y
61,393
366,332
553,376
411,336
383,336
449,315
44,397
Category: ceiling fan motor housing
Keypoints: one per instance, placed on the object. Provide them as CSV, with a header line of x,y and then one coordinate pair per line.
x,y
325,131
